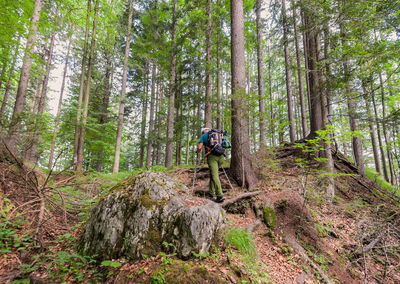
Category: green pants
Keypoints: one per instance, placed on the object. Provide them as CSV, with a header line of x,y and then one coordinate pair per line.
x,y
214,163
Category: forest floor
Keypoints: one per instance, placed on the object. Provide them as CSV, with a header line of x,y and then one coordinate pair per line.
x,y
354,239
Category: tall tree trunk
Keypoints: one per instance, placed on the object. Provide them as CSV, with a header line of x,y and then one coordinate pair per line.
x,y
378,131
104,105
327,146
220,110
372,131
306,59
292,130
356,141
24,77
79,166
118,139
207,113
144,115
300,77
241,165
312,39
81,87
33,151
260,76
271,106
385,135
151,119
171,96
159,122
57,120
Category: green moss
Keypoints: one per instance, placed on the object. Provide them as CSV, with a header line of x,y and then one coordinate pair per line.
x,y
283,204
146,201
184,272
269,217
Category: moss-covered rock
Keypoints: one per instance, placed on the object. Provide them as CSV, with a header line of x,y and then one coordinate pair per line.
x,y
146,210
269,217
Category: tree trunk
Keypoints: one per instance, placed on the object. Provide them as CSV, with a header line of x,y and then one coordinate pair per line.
x,y
151,119
33,155
312,40
79,166
104,105
378,131
219,86
144,115
159,122
292,130
356,141
241,165
118,139
171,98
372,131
306,59
24,77
385,135
81,86
260,76
300,77
57,120
271,106
207,113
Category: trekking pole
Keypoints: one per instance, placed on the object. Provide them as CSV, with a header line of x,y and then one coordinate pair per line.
x,y
228,179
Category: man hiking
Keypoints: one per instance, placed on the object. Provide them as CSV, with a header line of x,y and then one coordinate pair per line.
x,y
214,160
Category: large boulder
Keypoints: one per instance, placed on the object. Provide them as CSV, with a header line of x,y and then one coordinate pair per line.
x,y
148,213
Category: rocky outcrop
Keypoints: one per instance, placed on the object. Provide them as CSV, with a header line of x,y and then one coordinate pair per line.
x,y
148,213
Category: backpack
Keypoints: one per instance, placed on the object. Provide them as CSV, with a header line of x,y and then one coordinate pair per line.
x,y
215,141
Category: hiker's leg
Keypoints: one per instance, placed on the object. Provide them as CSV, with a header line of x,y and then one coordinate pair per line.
x,y
213,163
211,185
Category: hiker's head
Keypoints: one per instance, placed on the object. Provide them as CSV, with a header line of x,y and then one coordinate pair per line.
x,y
205,130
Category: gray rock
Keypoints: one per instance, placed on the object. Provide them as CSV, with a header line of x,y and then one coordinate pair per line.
x,y
144,213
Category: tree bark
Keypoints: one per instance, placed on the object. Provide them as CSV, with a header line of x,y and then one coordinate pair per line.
x,y
171,98
385,135
260,76
24,77
207,112
57,120
105,103
292,130
271,106
144,115
372,131
241,165
356,141
81,86
33,155
312,40
118,139
151,119
378,131
300,77
79,166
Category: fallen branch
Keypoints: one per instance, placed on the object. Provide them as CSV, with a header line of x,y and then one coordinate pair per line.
x,y
240,197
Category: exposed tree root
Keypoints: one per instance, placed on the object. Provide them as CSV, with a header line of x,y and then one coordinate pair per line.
x,y
240,197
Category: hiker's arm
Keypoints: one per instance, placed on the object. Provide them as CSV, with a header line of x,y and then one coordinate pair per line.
x,y
199,147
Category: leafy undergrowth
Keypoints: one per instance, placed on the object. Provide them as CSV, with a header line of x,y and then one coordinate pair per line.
x,y
355,237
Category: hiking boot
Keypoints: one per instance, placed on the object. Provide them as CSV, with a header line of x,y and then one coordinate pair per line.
x,y
220,199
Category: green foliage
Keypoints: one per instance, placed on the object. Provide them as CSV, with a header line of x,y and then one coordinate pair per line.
x,y
374,176
12,236
110,263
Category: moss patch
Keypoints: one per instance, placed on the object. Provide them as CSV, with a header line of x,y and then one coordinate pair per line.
x,y
182,272
269,217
